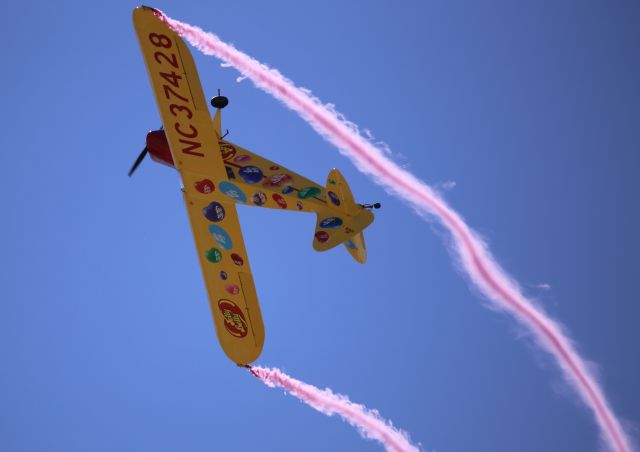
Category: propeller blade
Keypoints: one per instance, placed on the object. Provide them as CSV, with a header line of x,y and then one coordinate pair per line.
x,y
138,161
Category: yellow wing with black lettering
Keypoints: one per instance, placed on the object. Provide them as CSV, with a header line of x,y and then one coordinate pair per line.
x,y
196,155
178,92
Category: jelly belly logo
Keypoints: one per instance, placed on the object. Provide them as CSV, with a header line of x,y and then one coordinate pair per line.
x,y
234,320
227,150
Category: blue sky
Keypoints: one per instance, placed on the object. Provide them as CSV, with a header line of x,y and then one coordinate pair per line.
x,y
106,340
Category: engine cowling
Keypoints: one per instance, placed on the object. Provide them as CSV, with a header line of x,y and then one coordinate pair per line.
x,y
158,148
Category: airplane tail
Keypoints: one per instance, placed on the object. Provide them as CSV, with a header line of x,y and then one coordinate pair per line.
x,y
343,221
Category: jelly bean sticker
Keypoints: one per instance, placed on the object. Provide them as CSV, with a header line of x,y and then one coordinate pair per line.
x,y
214,255
232,191
243,158
259,198
204,186
322,236
350,244
334,198
299,205
308,192
286,190
214,212
234,320
279,200
251,174
237,259
232,289
279,180
221,237
274,168
223,275
331,223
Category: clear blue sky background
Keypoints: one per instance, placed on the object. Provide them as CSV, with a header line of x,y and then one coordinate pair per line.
x,y
106,340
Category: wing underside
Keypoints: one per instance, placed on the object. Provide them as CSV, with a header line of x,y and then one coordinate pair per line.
x,y
264,183
227,275
196,155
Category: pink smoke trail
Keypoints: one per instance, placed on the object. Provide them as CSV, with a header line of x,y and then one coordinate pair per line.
x,y
368,422
475,257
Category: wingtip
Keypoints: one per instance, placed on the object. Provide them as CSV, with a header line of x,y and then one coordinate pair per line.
x,y
144,8
148,8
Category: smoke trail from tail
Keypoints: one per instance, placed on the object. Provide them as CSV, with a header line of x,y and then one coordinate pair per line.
x,y
368,422
474,256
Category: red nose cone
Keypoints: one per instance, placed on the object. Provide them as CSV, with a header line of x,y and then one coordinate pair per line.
x,y
159,148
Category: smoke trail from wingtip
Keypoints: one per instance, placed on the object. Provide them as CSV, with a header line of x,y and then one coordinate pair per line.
x,y
368,422
474,256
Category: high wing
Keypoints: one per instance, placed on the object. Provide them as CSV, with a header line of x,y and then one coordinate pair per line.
x,y
196,155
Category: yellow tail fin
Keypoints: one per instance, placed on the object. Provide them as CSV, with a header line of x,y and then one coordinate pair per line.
x,y
343,221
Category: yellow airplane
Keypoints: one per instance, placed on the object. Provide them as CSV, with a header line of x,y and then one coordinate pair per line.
x,y
217,174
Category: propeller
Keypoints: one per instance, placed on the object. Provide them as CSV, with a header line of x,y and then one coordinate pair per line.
x,y
138,160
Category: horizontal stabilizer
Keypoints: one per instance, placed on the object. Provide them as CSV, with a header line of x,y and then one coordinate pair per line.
x,y
332,230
